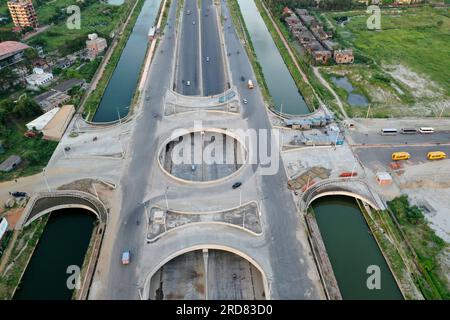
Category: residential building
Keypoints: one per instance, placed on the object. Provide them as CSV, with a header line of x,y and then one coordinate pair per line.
x,y
95,45
23,13
344,56
66,85
39,78
11,52
40,122
51,99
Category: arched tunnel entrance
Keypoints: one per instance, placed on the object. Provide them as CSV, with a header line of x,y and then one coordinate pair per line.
x,y
207,274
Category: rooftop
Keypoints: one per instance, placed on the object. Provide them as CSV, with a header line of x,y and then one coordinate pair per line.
x,y
68,84
9,48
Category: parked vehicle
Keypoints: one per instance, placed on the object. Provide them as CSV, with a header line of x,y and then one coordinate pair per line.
x,y
19,194
426,130
409,130
436,155
400,156
245,101
250,84
126,257
387,132
237,185
30,134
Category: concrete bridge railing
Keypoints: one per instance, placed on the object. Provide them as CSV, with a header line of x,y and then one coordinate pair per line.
x,y
352,187
45,202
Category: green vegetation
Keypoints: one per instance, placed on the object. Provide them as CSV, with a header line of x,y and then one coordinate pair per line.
x,y
394,66
96,17
20,256
426,246
94,99
34,152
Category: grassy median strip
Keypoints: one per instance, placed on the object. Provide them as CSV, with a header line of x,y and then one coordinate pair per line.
x,y
244,35
93,101
20,256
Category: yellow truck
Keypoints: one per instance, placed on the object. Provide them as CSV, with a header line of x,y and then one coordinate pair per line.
x,y
436,155
400,156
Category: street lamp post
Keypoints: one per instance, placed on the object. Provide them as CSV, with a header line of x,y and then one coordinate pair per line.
x,y
45,179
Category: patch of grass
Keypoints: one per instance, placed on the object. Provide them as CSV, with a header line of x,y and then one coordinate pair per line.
x,y
427,247
416,37
96,17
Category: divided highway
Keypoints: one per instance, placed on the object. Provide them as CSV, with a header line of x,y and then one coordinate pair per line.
x,y
200,70
212,56
188,77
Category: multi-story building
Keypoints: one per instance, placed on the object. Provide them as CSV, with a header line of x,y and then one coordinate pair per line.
x,y
23,13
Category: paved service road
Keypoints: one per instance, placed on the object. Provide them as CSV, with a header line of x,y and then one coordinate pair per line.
x,y
213,70
189,52
418,138
375,156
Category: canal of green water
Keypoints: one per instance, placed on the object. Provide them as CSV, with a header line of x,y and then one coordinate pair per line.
x,y
352,248
63,243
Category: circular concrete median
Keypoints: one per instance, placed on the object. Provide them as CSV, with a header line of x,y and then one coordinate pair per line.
x,y
202,155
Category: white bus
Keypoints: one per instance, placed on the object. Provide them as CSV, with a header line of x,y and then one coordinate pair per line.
x,y
386,132
426,130
409,130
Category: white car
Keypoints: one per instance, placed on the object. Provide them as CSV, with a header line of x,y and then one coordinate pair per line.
x,y
207,59
245,101
188,83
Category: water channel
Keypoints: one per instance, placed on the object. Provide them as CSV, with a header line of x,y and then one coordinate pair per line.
x,y
280,83
352,249
63,243
121,87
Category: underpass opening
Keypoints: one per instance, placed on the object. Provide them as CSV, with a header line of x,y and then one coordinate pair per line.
x,y
207,274
202,155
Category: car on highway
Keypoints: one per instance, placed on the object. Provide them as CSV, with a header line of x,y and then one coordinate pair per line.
x,y
245,101
126,257
193,22
188,12
188,83
207,59
237,185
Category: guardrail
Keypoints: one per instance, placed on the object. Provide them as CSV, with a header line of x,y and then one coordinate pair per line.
x,y
340,186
